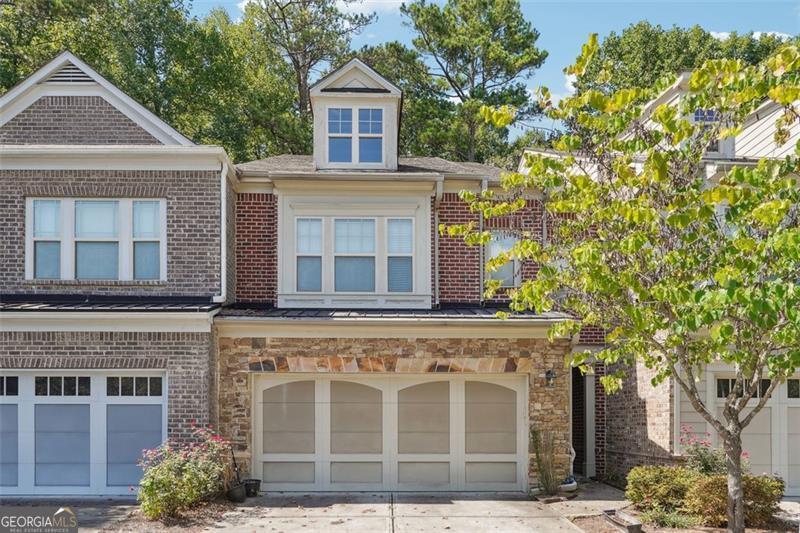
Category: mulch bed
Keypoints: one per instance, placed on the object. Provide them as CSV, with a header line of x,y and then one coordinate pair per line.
x,y
196,519
598,524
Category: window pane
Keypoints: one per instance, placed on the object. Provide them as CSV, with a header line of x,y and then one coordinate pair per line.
x,y
126,384
46,218
354,274
96,219
55,385
400,275
309,236
146,260
340,149
112,386
370,121
723,388
12,386
340,120
84,386
155,386
41,386
141,386
506,274
794,388
309,274
70,386
401,237
47,260
369,149
354,236
146,219
96,260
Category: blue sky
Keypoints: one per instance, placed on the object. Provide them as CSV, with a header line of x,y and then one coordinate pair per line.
x,y
564,25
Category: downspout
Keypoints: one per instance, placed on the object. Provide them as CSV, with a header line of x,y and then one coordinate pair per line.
x,y
482,249
223,224
436,203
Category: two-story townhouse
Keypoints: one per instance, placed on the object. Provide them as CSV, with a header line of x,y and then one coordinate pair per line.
x,y
116,250
305,304
642,424
360,354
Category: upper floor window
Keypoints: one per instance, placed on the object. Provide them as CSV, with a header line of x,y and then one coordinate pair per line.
x,y
356,259
509,274
708,117
94,239
368,147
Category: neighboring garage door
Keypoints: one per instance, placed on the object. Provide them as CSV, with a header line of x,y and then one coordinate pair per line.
x,y
78,432
391,433
771,440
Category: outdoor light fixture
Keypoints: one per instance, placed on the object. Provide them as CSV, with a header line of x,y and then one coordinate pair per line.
x,y
550,378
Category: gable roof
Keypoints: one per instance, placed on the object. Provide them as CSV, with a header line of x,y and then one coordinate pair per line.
x,y
67,71
328,82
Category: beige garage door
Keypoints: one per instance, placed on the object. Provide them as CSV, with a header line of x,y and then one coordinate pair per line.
x,y
422,433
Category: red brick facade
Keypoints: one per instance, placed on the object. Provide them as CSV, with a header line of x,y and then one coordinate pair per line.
x,y
256,248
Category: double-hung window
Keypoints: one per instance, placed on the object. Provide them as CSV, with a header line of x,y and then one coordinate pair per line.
x,y
708,118
354,255
400,254
510,273
96,239
340,135
368,132
309,254
370,135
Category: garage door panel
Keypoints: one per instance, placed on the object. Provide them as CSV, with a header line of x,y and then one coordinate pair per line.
x,y
491,442
62,475
288,442
424,443
129,430
423,418
491,418
9,442
491,472
289,472
288,418
356,418
793,429
61,445
365,472
427,473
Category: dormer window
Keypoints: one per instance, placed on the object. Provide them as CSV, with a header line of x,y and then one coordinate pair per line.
x,y
340,135
368,131
708,117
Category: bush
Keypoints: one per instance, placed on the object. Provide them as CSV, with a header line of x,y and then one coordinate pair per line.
x,y
659,487
708,498
670,519
178,477
704,458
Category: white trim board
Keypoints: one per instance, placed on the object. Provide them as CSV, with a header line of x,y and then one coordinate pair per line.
x,y
166,322
33,88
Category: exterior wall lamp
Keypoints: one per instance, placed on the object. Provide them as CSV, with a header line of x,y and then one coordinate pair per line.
x,y
550,378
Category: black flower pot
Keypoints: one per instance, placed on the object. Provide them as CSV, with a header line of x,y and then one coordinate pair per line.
x,y
237,493
252,487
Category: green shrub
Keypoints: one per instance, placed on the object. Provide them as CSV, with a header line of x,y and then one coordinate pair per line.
x,y
180,476
544,448
659,487
708,498
671,519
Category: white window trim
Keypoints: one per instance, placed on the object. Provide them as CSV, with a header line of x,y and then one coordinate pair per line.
x,y
329,208
354,160
67,239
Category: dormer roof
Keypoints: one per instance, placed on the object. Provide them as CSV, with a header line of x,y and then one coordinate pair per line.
x,y
355,77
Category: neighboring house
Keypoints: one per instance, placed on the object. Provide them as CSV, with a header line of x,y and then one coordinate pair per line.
x,y
306,305
642,423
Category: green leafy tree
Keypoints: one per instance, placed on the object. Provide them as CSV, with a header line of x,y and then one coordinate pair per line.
x,y
680,269
481,50
644,53
309,33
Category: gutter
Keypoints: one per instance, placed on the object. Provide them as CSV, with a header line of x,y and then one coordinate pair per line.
x,y
223,238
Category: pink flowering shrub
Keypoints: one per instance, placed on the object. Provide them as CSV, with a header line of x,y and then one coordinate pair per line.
x,y
702,457
179,476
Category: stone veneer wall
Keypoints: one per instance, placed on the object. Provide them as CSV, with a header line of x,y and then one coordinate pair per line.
x,y
239,359
184,356
73,120
639,424
193,227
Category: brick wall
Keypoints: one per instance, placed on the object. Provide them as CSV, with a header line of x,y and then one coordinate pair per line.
x,y
184,356
241,358
639,424
73,120
599,422
256,247
193,227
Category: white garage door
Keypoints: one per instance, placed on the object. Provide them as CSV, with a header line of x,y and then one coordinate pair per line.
x,y
391,433
78,432
771,440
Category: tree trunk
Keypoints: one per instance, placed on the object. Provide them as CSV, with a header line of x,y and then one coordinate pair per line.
x,y
733,460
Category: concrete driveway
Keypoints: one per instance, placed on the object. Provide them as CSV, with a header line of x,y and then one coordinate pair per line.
x,y
356,513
